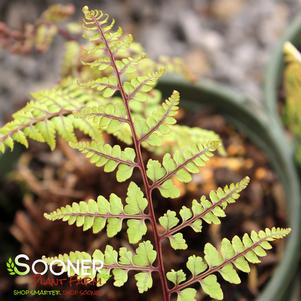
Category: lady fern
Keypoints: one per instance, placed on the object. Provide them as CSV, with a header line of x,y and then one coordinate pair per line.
x,y
118,97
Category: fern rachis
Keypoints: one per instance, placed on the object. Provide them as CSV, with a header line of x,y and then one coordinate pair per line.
x,y
122,101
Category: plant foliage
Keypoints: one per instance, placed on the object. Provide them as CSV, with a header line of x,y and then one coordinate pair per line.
x,y
114,93
39,35
292,87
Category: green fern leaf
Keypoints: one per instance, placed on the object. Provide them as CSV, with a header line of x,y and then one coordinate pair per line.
x,y
114,52
110,117
181,165
116,264
117,95
196,265
49,113
136,88
145,254
176,277
209,211
235,254
178,242
71,59
96,215
144,281
212,288
157,125
180,136
109,157
187,294
169,220
107,86
120,277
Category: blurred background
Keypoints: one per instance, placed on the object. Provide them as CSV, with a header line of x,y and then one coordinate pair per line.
x,y
226,40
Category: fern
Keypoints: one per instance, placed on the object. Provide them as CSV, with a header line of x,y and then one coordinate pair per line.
x,y
181,165
209,211
39,35
110,157
108,213
115,93
50,112
236,253
152,129
118,264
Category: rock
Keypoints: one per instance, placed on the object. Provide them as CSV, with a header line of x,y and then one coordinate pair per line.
x,y
197,62
226,9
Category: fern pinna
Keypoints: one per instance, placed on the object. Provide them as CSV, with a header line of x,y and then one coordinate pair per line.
x,y
117,96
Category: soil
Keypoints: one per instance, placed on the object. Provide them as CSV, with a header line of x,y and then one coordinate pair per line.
x,y
51,180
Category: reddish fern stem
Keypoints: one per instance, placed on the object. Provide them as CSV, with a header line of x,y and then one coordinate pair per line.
x,y
109,215
141,166
109,116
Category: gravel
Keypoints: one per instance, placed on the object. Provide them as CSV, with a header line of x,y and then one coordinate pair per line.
x,y
225,40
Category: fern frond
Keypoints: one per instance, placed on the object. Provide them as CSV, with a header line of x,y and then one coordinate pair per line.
x,y
109,55
236,253
110,157
182,135
49,113
71,59
39,35
157,124
136,88
97,215
116,264
207,210
181,165
107,86
100,30
179,136
174,65
58,12
110,117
